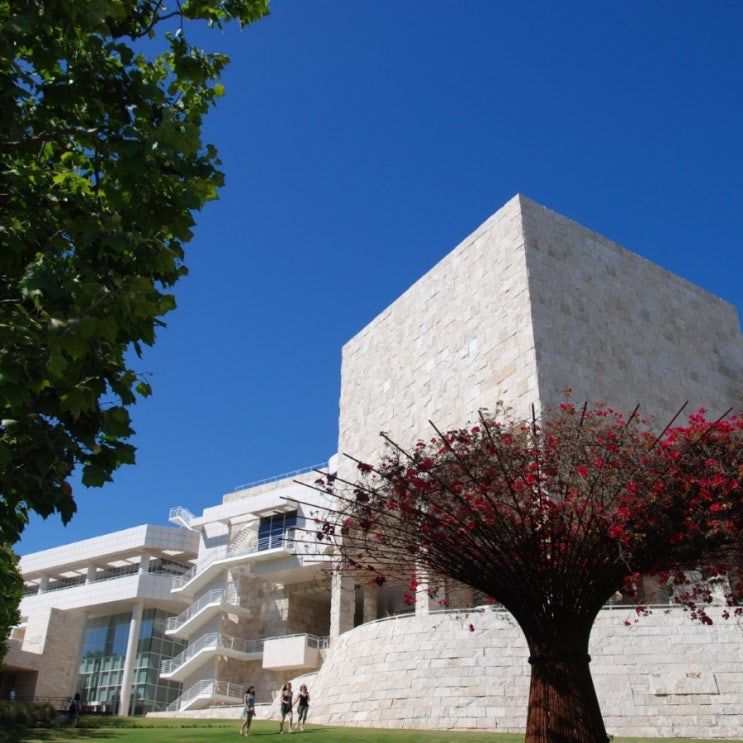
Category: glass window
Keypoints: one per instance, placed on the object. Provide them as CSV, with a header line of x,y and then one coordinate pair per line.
x,y
104,654
272,528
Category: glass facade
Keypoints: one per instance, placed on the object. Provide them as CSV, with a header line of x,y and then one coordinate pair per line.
x,y
103,656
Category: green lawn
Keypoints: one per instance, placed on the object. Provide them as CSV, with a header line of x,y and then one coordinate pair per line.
x,y
129,730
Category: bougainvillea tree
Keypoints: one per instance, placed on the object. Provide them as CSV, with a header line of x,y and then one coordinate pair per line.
x,y
551,518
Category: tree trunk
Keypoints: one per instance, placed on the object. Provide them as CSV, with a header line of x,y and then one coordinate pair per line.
x,y
563,706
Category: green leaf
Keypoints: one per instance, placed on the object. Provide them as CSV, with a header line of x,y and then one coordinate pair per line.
x,y
103,169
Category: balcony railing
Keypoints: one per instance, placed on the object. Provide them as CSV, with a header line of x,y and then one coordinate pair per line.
x,y
180,515
274,541
207,689
211,641
283,476
312,641
163,568
216,597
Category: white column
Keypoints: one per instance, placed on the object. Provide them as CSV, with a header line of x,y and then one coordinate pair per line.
x,y
342,604
130,660
428,596
371,601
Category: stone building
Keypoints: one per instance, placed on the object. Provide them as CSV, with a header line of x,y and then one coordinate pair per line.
x,y
527,306
93,616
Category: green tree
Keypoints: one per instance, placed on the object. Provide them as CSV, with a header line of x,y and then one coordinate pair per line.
x,y
102,168
11,590
551,519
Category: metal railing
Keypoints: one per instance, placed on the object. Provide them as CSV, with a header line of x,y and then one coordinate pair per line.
x,y
208,688
167,570
313,641
211,641
284,476
273,541
216,597
178,513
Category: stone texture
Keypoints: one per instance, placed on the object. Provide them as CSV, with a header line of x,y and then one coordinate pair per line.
x,y
663,676
528,305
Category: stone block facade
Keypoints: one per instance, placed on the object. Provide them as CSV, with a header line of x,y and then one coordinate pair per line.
x,y
528,305
662,676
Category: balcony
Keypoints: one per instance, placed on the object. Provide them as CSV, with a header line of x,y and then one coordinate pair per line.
x,y
180,516
225,557
294,652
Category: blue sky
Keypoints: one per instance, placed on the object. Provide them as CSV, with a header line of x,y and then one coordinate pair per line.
x,y
362,141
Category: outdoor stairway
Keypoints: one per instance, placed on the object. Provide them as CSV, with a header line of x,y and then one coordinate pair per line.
x,y
206,693
204,608
206,647
238,552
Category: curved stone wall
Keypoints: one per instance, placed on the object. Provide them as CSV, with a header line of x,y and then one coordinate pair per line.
x,y
662,676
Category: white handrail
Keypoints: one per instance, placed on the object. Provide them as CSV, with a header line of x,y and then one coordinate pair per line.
x,y
217,596
211,641
180,513
207,688
284,476
273,541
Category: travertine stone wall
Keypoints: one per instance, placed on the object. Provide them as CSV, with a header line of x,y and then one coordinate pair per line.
x,y
459,339
63,638
618,328
661,677
528,305
308,612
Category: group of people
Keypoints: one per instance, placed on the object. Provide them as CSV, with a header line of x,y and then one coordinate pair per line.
x,y
287,701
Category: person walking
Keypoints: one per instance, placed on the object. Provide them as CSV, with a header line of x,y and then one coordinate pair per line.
x,y
74,711
303,706
249,711
287,706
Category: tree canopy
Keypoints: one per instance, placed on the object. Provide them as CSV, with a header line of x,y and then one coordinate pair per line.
x,y
11,591
552,518
102,169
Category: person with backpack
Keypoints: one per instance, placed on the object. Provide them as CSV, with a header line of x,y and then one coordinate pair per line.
x,y
74,711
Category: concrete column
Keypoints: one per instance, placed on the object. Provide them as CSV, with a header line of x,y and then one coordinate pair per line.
x,y
428,595
90,574
144,563
130,660
342,604
43,583
371,600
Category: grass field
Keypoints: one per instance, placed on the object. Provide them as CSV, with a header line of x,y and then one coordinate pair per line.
x,y
137,730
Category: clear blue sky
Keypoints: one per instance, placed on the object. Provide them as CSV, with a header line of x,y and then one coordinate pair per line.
x,y
362,141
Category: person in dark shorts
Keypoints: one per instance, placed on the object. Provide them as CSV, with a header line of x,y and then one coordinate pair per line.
x,y
303,706
287,706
